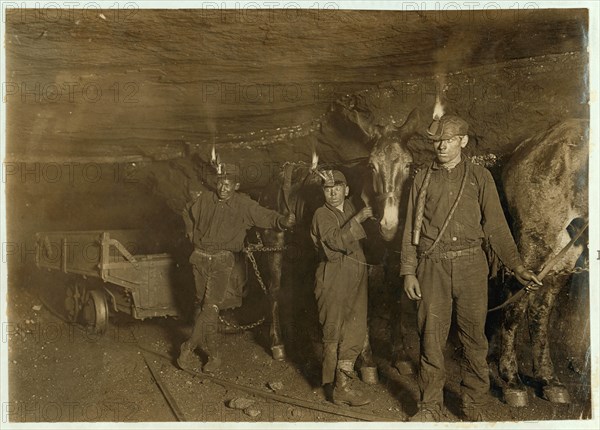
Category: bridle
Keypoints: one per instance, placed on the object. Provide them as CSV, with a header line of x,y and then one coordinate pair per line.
x,y
395,193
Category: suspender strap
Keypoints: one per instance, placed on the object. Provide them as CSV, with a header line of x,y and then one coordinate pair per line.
x,y
421,208
450,213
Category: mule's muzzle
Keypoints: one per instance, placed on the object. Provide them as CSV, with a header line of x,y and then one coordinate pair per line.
x,y
388,234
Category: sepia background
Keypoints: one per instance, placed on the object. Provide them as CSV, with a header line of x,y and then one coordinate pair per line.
x,y
112,115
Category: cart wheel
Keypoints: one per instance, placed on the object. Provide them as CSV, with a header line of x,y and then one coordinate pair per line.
x,y
95,312
73,303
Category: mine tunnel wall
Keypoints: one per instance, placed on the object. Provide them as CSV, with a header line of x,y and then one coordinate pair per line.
x,y
504,105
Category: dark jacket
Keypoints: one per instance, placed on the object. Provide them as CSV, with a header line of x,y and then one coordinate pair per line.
x,y
478,216
215,225
337,237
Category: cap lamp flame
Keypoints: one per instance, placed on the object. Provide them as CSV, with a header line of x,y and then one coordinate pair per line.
x,y
315,161
438,110
215,160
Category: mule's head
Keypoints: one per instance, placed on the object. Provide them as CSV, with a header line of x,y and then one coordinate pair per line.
x,y
391,164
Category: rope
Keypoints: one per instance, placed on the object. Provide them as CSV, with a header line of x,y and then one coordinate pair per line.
x,y
364,263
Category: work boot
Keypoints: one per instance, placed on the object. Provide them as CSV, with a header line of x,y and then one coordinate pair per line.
x,y
212,365
328,391
212,351
187,360
343,392
428,412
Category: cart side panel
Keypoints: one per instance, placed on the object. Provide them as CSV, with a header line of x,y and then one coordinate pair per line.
x,y
150,283
69,252
137,279
81,251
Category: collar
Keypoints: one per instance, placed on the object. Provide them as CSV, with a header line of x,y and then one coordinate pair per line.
x,y
228,202
437,166
334,208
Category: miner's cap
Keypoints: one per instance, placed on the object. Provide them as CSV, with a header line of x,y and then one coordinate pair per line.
x,y
333,177
229,171
447,127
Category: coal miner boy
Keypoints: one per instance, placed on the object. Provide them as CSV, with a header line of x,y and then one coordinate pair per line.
x,y
216,223
340,288
453,207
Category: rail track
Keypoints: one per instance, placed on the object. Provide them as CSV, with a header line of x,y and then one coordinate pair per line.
x,y
150,357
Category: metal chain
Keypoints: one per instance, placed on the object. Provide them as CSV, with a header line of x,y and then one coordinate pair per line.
x,y
573,271
242,327
262,248
249,251
250,255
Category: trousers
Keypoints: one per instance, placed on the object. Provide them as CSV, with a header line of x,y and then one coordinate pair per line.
x,y
342,309
211,274
458,285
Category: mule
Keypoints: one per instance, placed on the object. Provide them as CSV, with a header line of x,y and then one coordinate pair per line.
x,y
298,190
546,187
392,170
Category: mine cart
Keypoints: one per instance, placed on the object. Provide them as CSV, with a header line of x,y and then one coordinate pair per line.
x,y
116,270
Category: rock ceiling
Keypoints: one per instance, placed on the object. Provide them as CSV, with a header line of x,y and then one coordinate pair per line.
x,y
146,82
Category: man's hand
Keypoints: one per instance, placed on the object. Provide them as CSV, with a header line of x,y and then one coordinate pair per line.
x,y
364,214
528,278
412,287
287,221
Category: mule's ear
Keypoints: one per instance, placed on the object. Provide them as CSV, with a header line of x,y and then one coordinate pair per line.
x,y
373,140
412,124
377,131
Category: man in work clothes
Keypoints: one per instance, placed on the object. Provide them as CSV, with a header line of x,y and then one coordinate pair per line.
x,y
453,207
217,223
340,287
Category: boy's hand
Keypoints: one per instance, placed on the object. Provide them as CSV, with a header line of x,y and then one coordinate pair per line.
x,y
287,221
364,214
528,278
412,287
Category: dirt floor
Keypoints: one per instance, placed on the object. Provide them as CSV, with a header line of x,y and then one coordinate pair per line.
x,y
61,372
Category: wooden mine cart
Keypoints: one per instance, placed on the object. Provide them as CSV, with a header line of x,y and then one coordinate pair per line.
x,y
119,272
